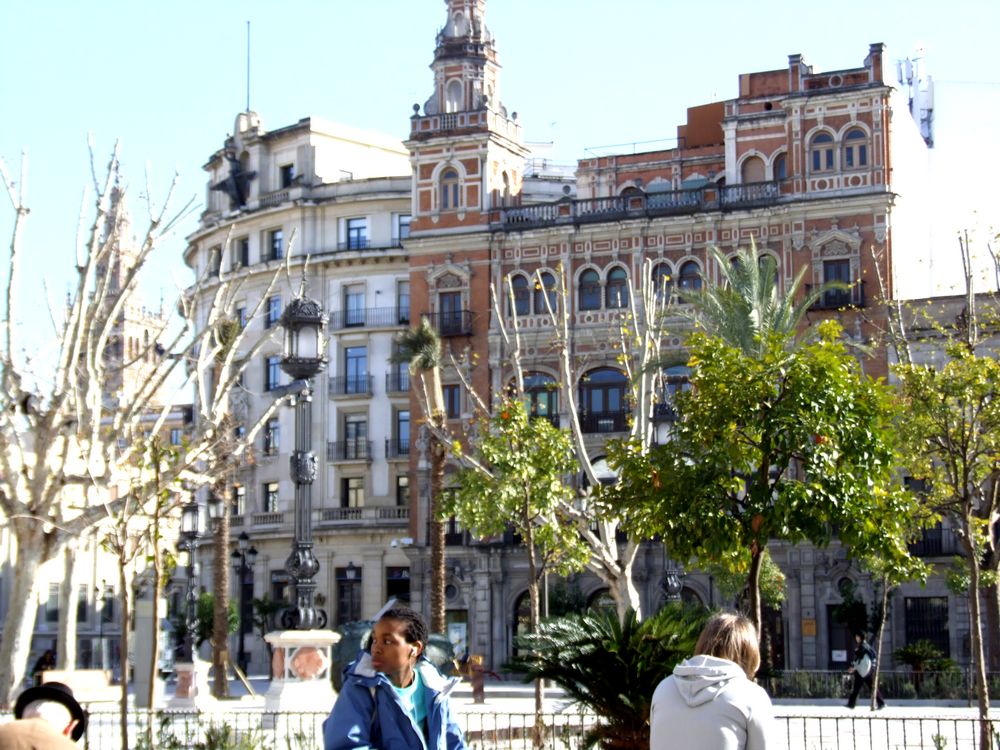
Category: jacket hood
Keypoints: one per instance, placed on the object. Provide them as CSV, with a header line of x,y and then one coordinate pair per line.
x,y
701,678
363,670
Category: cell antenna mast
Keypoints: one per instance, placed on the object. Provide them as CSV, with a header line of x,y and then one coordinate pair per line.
x,y
248,66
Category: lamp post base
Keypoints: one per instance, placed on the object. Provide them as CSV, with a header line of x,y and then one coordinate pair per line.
x,y
300,671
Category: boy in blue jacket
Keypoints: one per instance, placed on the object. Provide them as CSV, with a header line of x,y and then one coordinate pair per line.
x,y
393,698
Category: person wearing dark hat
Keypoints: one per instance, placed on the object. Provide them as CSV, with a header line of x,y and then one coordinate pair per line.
x,y
47,717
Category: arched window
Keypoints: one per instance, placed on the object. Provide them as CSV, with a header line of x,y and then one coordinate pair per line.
x,y
753,169
855,149
604,401
663,281
822,152
449,189
616,292
690,276
522,297
521,624
781,167
547,287
590,290
541,396
453,96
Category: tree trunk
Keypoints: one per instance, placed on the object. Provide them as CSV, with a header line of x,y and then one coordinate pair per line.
x,y
534,618
126,616
623,590
19,624
437,618
878,640
975,628
154,656
753,587
220,611
66,640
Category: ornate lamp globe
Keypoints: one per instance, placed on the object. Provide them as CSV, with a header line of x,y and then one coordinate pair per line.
x,y
305,325
189,522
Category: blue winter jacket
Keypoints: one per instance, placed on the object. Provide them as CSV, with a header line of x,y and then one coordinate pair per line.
x,y
369,715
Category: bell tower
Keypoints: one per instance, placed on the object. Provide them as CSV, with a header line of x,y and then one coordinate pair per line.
x,y
466,149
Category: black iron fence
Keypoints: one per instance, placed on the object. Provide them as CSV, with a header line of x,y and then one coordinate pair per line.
x,y
498,730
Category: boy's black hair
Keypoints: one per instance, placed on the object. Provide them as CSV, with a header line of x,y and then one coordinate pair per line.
x,y
416,628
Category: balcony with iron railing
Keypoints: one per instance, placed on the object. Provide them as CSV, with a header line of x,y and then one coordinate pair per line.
x,y
397,383
349,450
552,418
835,299
397,448
604,421
456,323
346,386
936,542
640,205
370,317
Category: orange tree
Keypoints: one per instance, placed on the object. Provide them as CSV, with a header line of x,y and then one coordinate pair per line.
x,y
792,443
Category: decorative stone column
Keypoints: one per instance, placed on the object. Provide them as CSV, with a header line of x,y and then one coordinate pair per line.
x,y
300,672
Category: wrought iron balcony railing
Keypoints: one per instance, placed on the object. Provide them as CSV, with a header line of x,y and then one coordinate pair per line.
x,y
397,447
604,421
370,317
834,299
457,323
397,382
349,450
351,385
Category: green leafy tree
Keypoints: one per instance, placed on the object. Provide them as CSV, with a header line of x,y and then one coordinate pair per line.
x,y
521,465
789,444
953,430
612,666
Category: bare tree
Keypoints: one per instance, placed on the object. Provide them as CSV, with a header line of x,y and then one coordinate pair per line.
x,y
67,444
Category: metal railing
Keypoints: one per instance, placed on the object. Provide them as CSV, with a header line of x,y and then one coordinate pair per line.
x,y
604,421
398,381
365,515
834,299
349,450
936,543
370,317
397,447
456,323
498,730
351,385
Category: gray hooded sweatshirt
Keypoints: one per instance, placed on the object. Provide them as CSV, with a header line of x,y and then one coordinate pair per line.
x,y
709,704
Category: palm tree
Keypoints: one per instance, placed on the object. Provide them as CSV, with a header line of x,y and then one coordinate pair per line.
x,y
746,309
420,348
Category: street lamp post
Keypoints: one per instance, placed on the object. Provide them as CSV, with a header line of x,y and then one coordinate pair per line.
x,y
244,557
100,620
304,323
188,538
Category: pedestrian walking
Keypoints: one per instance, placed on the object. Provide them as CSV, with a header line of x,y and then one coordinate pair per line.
x,y
710,702
863,670
392,697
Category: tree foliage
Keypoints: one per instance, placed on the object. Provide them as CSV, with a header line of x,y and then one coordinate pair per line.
x,y
793,444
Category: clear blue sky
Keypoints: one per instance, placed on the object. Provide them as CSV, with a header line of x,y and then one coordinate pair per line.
x,y
167,78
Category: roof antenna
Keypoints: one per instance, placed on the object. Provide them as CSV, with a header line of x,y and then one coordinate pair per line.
x,y
248,66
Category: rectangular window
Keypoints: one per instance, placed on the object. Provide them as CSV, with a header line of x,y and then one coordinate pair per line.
x,y
52,604
348,594
397,584
927,620
269,500
82,605
107,604
272,437
403,490
357,234
356,369
355,436
239,500
276,244
272,373
272,314
287,175
837,271
176,436
352,492
403,302
403,432
214,261
241,253
450,313
452,400
354,305
402,227
241,316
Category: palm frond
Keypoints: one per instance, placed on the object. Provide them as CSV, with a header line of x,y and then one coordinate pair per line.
x,y
419,347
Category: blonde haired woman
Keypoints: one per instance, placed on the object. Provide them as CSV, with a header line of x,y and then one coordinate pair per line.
x,y
710,702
